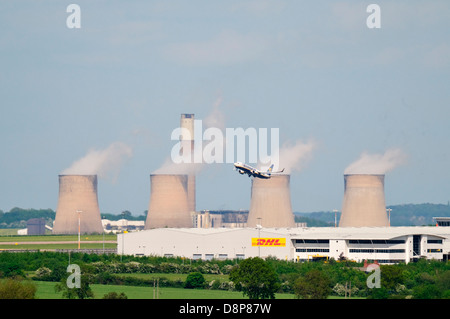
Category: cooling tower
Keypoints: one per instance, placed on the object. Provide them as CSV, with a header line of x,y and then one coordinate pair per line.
x,y
187,140
363,203
77,205
270,204
169,205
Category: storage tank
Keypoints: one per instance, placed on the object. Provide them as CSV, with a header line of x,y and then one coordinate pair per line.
x,y
169,206
364,203
270,204
78,207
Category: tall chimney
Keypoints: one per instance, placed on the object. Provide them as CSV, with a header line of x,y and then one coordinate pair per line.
x,y
169,205
187,141
270,204
77,206
363,203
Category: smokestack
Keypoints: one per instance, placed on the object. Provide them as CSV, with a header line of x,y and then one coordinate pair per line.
x,y
77,193
169,205
363,203
270,204
187,140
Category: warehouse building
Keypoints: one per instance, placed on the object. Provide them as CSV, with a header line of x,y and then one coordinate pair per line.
x,y
386,245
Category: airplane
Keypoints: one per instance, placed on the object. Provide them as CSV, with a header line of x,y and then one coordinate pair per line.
x,y
251,171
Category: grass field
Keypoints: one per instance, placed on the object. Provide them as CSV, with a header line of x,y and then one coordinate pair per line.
x,y
10,241
173,277
46,290
50,238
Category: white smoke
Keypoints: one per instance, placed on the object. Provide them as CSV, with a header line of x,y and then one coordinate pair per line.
x,y
292,156
377,163
104,163
216,117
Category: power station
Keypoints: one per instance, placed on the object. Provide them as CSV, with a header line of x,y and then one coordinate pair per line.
x,y
364,203
270,204
78,210
187,144
169,202
173,227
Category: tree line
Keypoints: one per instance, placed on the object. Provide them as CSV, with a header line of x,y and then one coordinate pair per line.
x,y
254,277
401,215
18,217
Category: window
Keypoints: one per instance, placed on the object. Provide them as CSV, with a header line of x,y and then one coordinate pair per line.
x,y
197,256
312,241
312,250
376,241
416,245
378,251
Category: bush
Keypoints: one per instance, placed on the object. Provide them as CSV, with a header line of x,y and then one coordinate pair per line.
x,y
115,295
194,280
314,285
15,289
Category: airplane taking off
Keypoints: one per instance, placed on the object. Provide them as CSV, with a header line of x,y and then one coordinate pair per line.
x,y
251,171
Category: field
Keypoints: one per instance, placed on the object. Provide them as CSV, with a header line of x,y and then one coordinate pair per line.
x,y
46,291
10,241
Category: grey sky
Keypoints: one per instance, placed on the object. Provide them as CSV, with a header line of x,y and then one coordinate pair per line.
x,y
313,69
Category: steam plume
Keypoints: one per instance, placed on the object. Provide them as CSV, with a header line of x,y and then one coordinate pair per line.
x,y
104,163
376,163
292,156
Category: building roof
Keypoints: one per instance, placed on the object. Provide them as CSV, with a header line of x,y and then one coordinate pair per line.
x,y
321,232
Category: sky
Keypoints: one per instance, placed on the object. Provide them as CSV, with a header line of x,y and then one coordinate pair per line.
x,y
338,91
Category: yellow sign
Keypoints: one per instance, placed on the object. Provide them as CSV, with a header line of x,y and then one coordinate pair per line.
x,y
275,242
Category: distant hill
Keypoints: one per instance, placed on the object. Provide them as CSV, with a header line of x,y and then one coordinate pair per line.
x,y
401,215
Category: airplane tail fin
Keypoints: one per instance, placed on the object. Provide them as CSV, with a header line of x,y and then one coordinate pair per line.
x,y
270,169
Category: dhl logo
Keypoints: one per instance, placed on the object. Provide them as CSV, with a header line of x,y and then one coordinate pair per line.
x,y
276,242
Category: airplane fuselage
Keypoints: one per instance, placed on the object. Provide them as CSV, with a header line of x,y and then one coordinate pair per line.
x,y
250,171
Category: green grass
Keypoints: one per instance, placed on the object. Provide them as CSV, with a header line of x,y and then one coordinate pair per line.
x,y
172,277
49,241
46,290
58,246
50,238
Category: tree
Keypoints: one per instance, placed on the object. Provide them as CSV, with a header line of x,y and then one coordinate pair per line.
x,y
391,277
314,285
84,292
194,280
255,278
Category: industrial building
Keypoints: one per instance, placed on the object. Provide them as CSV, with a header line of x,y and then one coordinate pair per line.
x,y
169,203
270,203
78,209
363,203
386,245
172,196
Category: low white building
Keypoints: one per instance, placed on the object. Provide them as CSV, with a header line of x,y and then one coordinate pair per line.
x,y
383,244
115,226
